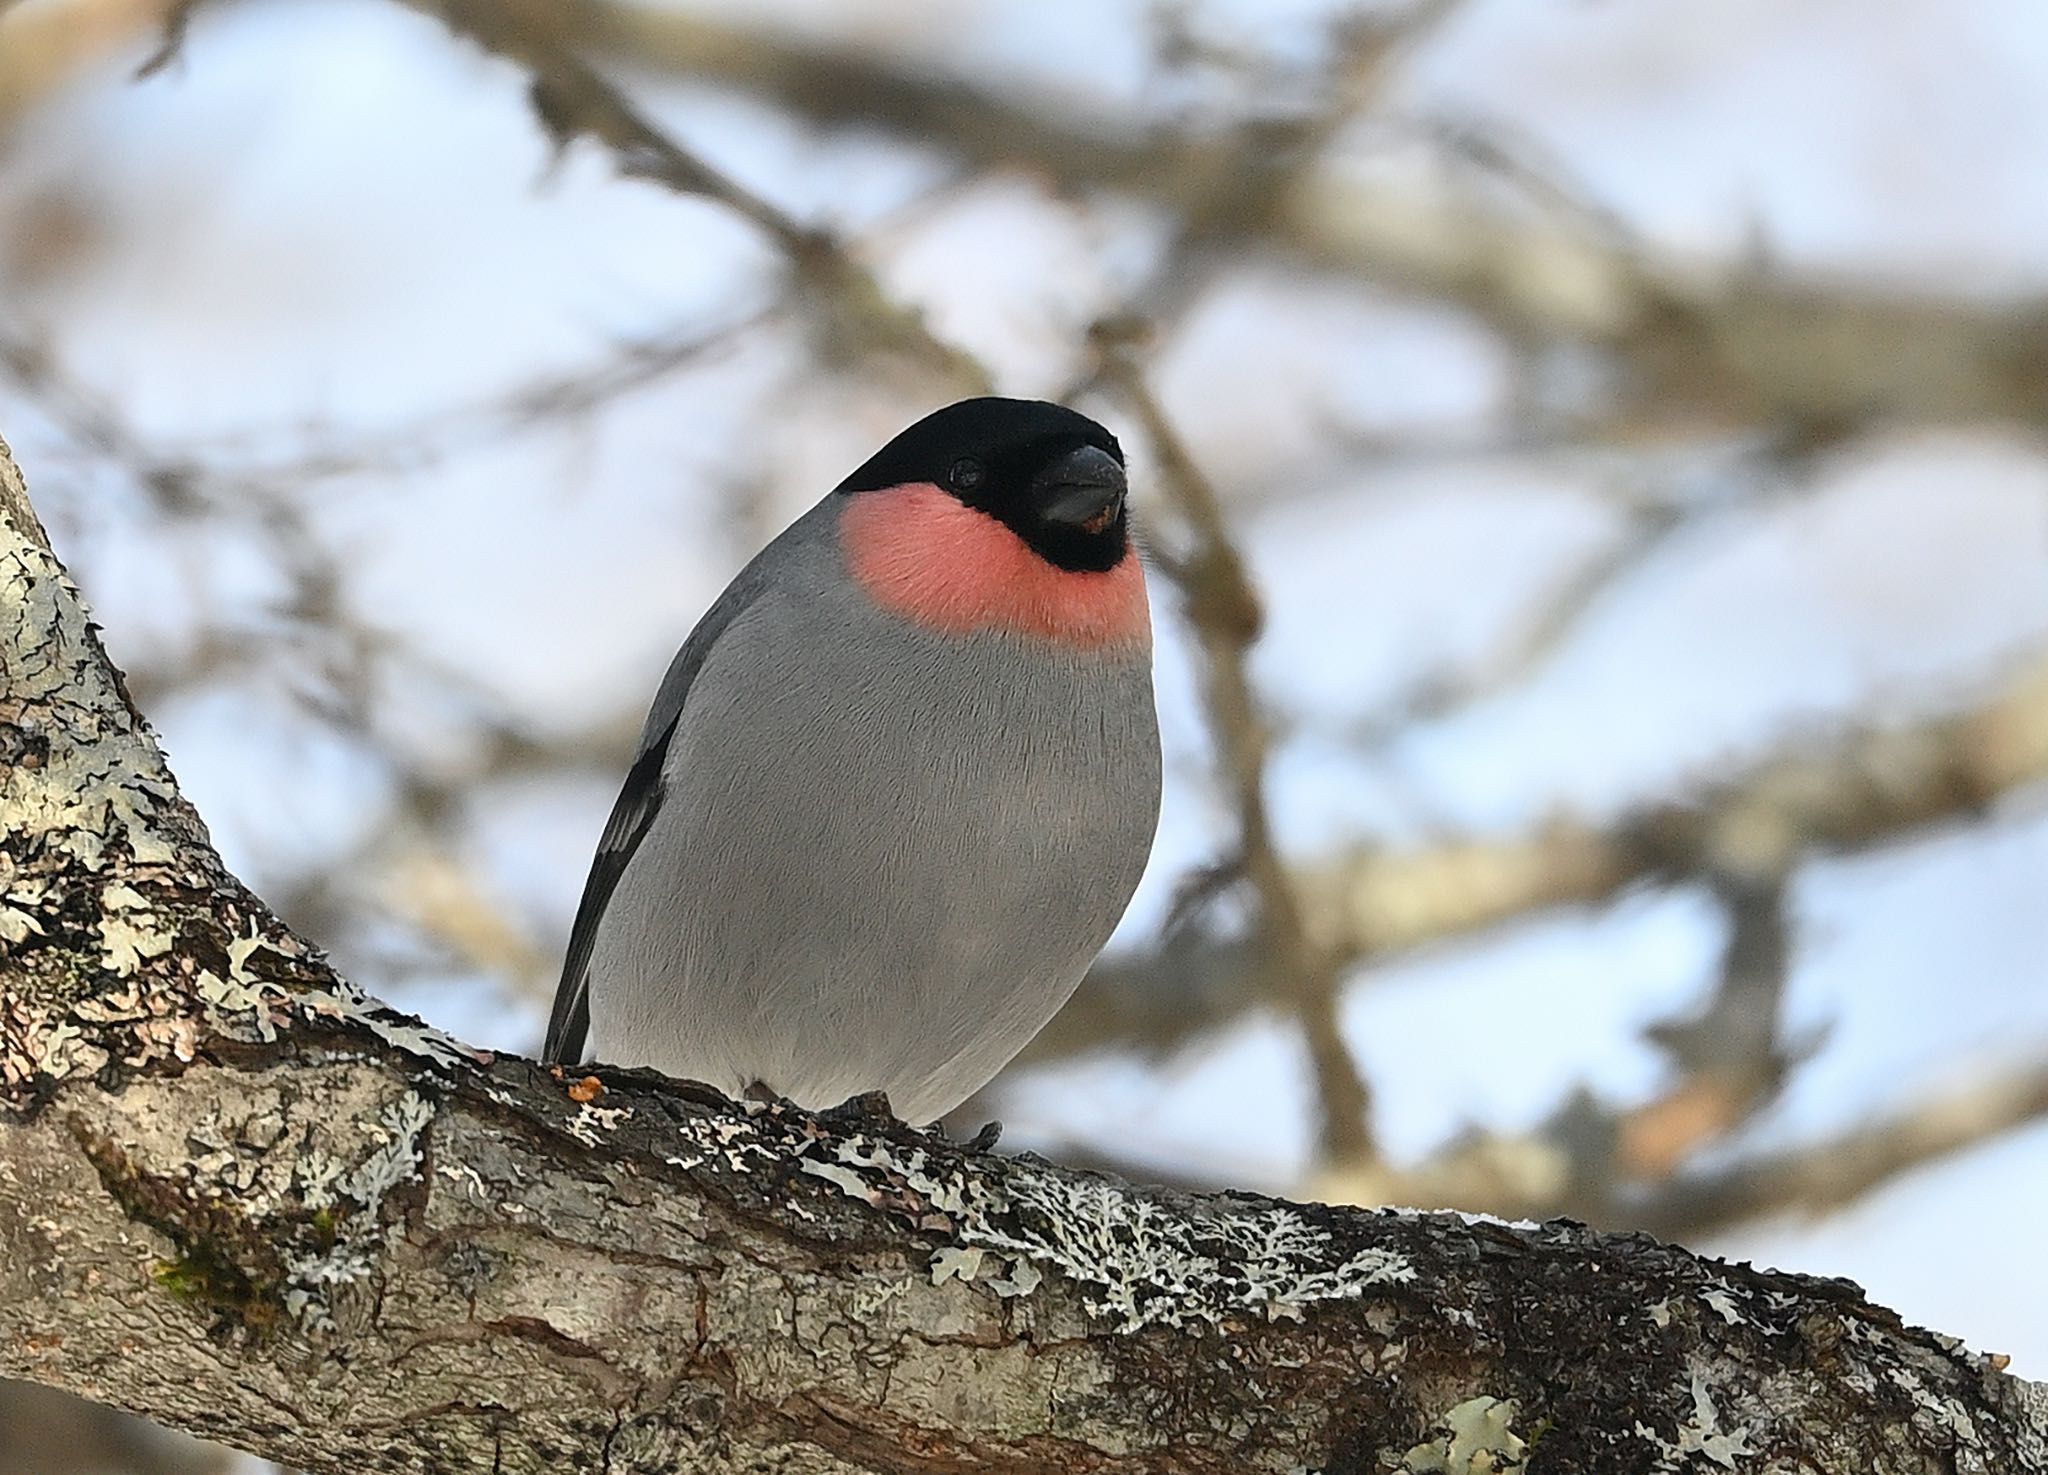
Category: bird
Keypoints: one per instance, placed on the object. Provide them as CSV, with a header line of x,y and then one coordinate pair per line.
x,y
897,787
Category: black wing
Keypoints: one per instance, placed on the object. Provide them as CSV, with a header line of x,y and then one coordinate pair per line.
x,y
639,801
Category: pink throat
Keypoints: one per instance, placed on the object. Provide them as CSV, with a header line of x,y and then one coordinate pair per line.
x,y
921,553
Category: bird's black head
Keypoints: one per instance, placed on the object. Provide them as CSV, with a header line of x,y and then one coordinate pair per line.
x,y
1050,474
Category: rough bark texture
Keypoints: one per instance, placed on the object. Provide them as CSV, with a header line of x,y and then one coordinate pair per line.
x,y
240,1198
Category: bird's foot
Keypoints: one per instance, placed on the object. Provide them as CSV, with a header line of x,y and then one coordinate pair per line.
x,y
869,1106
986,1138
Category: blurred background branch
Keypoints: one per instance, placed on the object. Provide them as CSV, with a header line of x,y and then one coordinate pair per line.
x,y
1598,518
1222,608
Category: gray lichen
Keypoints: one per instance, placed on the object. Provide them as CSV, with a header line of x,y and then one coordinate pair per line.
x,y
1702,1434
270,1203
359,1189
1476,1437
91,825
89,778
88,814
591,1122
1137,1264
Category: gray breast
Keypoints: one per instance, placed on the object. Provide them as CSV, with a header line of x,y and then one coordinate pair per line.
x,y
884,858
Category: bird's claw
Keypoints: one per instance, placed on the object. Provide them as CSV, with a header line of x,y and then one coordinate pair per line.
x,y
870,1106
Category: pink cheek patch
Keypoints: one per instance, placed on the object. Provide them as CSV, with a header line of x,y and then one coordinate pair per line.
x,y
919,552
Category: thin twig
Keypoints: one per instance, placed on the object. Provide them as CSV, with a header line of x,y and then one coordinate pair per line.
x,y
1223,609
217,471
572,100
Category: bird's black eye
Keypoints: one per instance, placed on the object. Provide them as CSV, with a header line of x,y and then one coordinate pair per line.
x,y
966,474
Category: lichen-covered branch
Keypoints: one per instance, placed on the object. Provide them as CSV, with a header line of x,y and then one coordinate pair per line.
x,y
240,1198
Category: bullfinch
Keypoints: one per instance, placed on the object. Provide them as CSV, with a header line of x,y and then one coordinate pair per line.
x,y
896,788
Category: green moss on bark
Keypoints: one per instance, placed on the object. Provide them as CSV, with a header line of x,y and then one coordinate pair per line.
x,y
223,1264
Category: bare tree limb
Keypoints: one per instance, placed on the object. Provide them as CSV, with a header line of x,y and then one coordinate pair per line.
x,y
1864,789
1574,1165
1730,1057
240,1197
572,99
14,503
1533,1175
1696,341
1813,1178
1539,635
182,477
1224,611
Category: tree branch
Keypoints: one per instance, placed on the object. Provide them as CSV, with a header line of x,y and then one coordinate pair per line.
x,y
572,100
1224,611
1864,789
1816,1177
1694,339
240,1198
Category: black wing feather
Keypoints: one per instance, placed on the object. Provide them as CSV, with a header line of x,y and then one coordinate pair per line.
x,y
639,801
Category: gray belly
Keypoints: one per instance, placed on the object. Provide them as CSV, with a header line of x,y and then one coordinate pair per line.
x,y
883,860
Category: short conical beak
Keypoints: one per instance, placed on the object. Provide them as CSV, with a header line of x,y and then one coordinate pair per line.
x,y
1083,489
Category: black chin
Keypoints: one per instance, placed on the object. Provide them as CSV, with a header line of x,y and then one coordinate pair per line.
x,y
1067,546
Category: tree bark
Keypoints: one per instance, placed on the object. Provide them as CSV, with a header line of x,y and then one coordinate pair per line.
x,y
240,1198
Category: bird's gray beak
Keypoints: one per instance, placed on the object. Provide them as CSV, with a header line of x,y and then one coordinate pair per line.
x,y
1083,489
